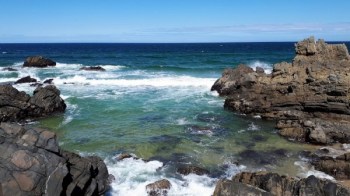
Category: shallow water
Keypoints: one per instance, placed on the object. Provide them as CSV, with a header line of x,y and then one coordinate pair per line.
x,y
154,101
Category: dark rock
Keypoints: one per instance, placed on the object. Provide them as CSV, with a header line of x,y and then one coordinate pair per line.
x,y
332,162
38,61
93,68
123,156
26,79
158,188
265,183
33,164
48,81
190,169
231,188
9,69
308,98
17,106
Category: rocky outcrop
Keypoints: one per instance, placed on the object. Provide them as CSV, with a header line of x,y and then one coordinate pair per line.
x,y
32,163
17,106
308,97
26,79
93,68
38,61
9,69
265,183
158,188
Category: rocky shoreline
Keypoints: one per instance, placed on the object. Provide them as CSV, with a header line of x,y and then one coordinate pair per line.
x,y
31,161
308,99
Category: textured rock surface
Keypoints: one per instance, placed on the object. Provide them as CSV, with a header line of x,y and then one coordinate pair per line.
x,y
277,185
309,97
158,188
16,105
31,163
38,61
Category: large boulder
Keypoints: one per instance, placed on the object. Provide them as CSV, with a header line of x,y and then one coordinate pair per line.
x,y
38,61
17,106
32,163
26,79
158,188
265,183
309,98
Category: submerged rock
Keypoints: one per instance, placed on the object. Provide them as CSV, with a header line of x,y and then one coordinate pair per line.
x,y
93,68
265,183
32,163
191,169
38,61
158,188
308,97
9,69
17,106
26,79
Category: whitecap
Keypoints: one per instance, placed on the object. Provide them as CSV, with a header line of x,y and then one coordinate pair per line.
x,y
266,66
253,127
112,67
132,177
181,121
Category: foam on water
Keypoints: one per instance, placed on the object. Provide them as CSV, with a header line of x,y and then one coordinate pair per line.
x,y
306,169
267,67
175,81
132,177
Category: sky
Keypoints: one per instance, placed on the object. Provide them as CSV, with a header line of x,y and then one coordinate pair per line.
x,y
167,21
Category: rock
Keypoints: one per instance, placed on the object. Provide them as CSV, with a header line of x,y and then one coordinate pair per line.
x,y
17,106
33,164
124,156
230,188
38,61
9,69
190,169
309,98
93,68
26,79
332,162
265,183
48,81
158,188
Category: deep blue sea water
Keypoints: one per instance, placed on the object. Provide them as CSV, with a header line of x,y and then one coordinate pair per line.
x,y
154,101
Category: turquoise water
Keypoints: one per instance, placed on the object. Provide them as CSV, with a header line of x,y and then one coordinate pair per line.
x,y
154,101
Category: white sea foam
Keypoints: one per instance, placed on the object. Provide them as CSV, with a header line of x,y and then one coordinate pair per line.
x,y
132,176
253,127
112,67
306,169
182,121
4,52
180,81
267,67
67,65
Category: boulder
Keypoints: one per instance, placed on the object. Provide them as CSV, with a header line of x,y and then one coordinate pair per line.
x,y
26,79
158,188
309,98
266,183
48,81
191,169
38,61
18,106
32,163
93,68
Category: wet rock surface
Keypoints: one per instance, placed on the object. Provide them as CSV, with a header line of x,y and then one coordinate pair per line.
x,y
191,169
38,61
17,106
32,163
158,188
265,183
308,97
26,79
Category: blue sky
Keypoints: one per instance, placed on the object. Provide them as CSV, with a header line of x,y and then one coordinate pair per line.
x,y
173,20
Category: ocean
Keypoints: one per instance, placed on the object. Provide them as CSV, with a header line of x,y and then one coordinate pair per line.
x,y
154,101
